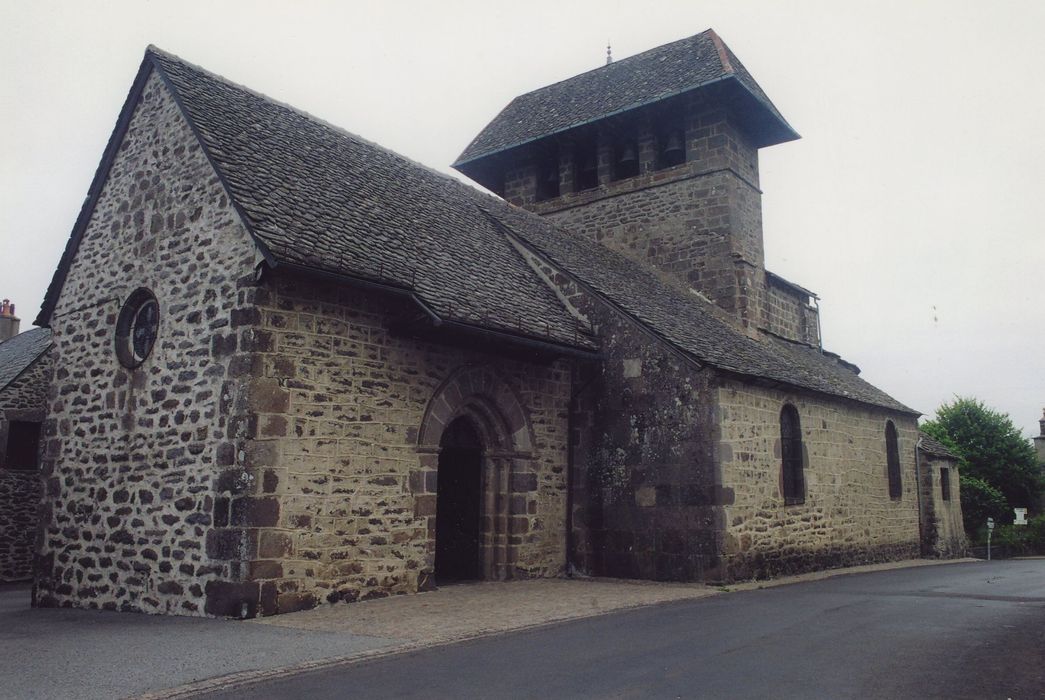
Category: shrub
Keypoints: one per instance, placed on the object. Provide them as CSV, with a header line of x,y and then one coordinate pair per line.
x,y
980,501
1020,540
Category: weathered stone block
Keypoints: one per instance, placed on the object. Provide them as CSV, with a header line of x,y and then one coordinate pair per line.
x,y
250,511
275,545
228,599
230,544
268,396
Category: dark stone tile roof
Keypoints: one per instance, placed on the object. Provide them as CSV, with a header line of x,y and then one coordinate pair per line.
x,y
19,352
931,445
320,197
688,321
671,69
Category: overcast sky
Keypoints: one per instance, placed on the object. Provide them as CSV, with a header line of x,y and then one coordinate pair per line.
x,y
912,205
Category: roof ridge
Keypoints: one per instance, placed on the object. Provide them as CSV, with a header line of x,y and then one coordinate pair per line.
x,y
622,61
615,63
306,115
723,56
661,73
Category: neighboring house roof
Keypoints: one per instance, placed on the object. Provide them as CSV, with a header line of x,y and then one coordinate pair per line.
x,y
318,198
932,446
672,69
21,351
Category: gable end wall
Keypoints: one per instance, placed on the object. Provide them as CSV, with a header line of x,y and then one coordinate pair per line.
x,y
131,457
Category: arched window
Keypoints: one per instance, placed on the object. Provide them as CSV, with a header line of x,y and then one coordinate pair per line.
x,y
892,455
792,478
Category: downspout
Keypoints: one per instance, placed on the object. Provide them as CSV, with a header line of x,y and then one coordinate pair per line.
x,y
918,492
819,333
570,479
569,474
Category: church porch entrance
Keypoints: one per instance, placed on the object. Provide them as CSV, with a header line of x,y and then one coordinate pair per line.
x,y
458,508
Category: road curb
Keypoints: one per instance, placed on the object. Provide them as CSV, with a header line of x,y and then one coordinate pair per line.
x,y
247,678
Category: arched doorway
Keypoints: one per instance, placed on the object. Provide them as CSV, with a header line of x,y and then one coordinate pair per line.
x,y
477,467
458,503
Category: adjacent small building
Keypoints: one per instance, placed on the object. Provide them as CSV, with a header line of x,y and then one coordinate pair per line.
x,y
25,372
943,531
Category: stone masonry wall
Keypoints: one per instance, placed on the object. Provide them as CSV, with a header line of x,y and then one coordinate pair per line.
x,y
647,497
132,457
651,500
700,221
24,399
847,517
19,502
789,316
347,493
946,525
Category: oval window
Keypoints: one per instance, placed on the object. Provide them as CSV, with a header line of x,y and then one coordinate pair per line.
x,y
137,327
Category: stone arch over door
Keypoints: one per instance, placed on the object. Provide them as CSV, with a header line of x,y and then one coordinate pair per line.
x,y
508,492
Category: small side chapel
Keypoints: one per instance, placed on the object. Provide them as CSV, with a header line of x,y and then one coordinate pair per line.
x,y
293,368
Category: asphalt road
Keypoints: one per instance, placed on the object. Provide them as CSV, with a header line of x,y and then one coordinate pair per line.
x,y
960,631
55,654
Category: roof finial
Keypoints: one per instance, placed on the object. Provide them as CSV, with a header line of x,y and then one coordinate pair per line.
x,y
609,53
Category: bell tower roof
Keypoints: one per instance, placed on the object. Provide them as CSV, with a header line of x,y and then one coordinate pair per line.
x,y
700,62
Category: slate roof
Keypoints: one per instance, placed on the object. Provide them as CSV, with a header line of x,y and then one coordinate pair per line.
x,y
321,198
931,445
21,351
671,69
689,322
317,197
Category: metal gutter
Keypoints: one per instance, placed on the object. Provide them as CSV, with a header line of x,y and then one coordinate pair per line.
x,y
524,340
436,320
362,283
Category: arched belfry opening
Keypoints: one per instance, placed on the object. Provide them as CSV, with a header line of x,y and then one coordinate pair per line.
x,y
477,483
458,503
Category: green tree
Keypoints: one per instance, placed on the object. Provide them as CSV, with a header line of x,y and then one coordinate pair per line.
x,y
991,449
980,501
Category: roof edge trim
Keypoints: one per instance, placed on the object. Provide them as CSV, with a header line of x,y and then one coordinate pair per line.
x,y
699,363
607,115
153,54
361,282
101,176
536,250
720,47
774,277
50,345
436,320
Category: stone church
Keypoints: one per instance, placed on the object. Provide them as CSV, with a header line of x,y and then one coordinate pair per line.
x,y
294,368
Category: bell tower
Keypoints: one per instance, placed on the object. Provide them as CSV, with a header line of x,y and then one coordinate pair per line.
x,y
656,156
